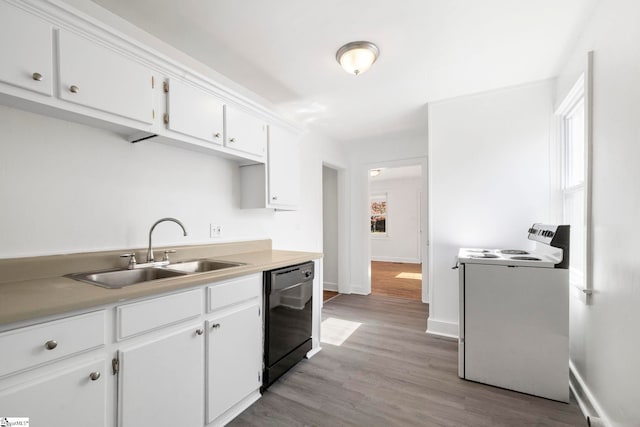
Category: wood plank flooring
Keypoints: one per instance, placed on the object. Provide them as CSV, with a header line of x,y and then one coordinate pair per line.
x,y
327,295
394,279
390,373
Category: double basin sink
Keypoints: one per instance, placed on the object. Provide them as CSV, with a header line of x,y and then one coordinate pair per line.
x,y
120,278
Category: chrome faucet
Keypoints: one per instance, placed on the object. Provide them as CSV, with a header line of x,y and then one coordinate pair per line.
x,y
150,257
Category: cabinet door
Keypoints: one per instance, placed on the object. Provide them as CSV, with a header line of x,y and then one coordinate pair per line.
x,y
26,50
245,132
100,78
234,359
283,168
161,382
194,112
66,398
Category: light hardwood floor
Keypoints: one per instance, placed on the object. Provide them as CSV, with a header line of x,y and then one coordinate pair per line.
x,y
390,373
394,279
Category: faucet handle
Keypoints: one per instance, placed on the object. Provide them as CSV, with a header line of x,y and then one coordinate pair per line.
x,y
166,254
132,260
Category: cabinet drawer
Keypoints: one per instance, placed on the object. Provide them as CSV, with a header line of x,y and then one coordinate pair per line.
x,y
143,316
34,345
234,291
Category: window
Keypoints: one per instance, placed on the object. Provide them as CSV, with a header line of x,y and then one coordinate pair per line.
x,y
378,208
573,143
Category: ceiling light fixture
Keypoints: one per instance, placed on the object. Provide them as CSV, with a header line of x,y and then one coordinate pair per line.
x,y
357,57
375,172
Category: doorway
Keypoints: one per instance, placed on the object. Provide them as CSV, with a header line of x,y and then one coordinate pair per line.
x,y
330,232
396,224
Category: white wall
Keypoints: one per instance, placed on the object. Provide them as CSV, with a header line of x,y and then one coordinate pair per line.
x,y
402,242
330,227
70,188
605,349
391,150
488,181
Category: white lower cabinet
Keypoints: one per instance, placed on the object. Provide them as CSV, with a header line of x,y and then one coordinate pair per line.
x,y
161,381
143,363
70,397
234,362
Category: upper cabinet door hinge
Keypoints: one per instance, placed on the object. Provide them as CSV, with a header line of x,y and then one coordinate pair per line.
x,y
115,364
165,87
166,119
153,82
258,311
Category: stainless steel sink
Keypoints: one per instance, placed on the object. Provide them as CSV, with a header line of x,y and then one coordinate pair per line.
x,y
201,265
121,278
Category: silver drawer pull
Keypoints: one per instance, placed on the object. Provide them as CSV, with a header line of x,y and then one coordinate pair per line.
x,y
51,344
217,135
94,376
215,326
74,89
37,77
199,332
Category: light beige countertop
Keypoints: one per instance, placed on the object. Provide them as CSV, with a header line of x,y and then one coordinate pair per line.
x,y
31,288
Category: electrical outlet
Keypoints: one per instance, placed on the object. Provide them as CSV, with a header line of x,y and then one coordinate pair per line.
x,y
215,230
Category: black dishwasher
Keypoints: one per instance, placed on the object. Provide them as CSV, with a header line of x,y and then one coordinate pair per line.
x,y
288,297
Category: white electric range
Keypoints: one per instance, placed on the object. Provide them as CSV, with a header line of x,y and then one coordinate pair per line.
x,y
514,315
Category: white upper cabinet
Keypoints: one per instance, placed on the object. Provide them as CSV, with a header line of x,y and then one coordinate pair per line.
x,y
283,168
194,112
100,78
26,50
275,185
245,132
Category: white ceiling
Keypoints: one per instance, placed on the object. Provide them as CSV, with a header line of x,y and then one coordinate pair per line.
x,y
400,172
284,50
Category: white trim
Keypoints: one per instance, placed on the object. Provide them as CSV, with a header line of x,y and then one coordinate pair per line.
x,y
580,390
572,98
394,259
313,352
359,290
588,179
583,89
442,328
330,286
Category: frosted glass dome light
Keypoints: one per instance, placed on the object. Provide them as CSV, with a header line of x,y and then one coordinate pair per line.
x,y
357,57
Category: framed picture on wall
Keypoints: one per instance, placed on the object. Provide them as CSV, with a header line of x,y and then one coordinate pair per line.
x,y
378,212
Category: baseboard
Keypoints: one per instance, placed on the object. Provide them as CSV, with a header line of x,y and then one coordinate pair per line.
x,y
313,352
585,398
392,259
359,291
442,328
329,286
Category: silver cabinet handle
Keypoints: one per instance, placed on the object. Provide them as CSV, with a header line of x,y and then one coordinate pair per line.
x,y
199,331
36,77
274,198
217,135
94,376
232,140
51,344
215,326
74,89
